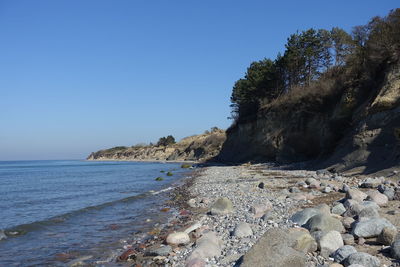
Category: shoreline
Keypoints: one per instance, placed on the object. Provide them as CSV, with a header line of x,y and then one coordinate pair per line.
x,y
264,200
145,160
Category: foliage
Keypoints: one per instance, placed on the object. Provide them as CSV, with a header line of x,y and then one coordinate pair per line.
x,y
165,141
159,179
169,173
311,60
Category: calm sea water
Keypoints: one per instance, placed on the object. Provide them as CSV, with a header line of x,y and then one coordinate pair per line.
x,y
57,211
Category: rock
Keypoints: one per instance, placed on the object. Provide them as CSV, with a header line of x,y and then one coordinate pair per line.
x,y
302,240
294,190
368,212
372,182
347,222
348,239
310,180
271,250
354,208
356,194
335,265
222,206
387,236
338,209
323,222
345,188
324,208
191,203
377,197
161,251
389,192
395,249
178,238
192,227
267,216
242,229
363,259
207,246
326,190
371,228
361,241
330,242
323,172
356,265
259,210
261,185
342,253
302,216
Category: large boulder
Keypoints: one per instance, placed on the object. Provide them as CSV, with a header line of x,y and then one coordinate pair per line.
x,y
302,216
329,242
273,249
363,259
342,253
324,222
222,206
371,228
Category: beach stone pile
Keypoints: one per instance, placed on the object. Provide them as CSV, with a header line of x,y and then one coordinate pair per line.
x,y
260,216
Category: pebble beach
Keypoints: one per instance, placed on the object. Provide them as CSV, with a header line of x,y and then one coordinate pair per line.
x,y
259,215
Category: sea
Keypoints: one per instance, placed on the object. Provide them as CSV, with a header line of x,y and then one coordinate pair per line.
x,y
55,212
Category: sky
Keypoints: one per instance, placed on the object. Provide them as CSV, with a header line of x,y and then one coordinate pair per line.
x,y
79,76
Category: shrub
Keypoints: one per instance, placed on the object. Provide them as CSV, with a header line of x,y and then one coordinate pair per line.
x,y
159,179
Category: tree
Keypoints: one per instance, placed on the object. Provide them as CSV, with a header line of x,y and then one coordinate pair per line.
x,y
342,45
165,141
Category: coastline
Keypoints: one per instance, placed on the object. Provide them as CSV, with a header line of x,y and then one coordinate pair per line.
x,y
264,199
148,160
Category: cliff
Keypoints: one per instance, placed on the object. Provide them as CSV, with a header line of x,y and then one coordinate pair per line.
x,y
356,126
194,148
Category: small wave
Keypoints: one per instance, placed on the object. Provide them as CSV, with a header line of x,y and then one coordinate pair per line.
x,y
162,190
37,225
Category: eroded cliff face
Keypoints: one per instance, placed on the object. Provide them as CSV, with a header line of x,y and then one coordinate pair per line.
x,y
194,148
355,128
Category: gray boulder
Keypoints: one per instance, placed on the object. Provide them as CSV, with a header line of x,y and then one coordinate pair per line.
x,y
329,242
302,216
222,206
323,222
363,259
371,228
271,250
395,249
338,209
368,212
342,253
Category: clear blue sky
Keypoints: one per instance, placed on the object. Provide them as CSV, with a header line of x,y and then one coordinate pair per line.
x,y
78,76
